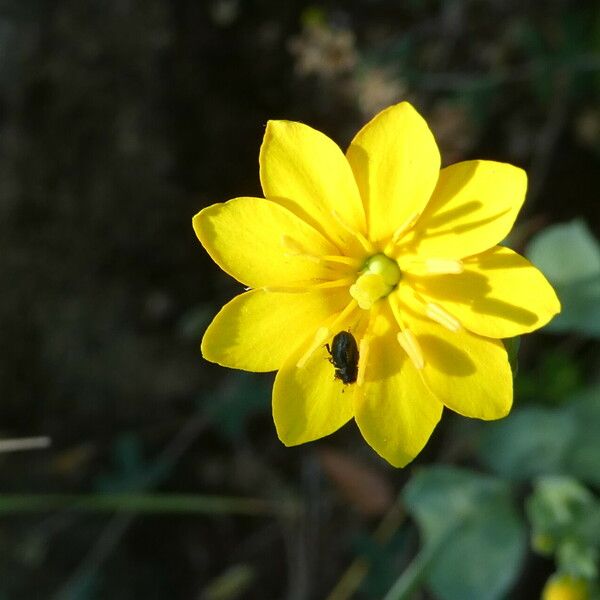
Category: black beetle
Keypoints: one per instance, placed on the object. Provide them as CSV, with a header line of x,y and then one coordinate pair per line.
x,y
344,356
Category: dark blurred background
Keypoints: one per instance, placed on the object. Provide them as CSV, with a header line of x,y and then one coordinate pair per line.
x,y
119,120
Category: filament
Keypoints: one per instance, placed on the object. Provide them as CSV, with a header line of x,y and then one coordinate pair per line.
x,y
410,345
310,286
406,338
323,333
439,315
401,231
359,237
364,348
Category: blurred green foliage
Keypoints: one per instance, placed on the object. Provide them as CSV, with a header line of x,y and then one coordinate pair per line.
x,y
569,256
565,520
473,521
119,121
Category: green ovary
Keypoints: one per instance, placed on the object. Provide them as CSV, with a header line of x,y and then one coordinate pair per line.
x,y
378,278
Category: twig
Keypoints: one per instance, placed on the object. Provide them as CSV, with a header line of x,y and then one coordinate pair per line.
x,y
28,443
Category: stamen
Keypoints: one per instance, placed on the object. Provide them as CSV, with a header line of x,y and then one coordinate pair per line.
x,y
363,357
334,283
411,346
368,289
400,231
443,266
310,286
365,344
439,315
343,260
412,219
310,257
345,313
360,238
434,266
406,338
293,245
297,250
396,311
291,289
323,333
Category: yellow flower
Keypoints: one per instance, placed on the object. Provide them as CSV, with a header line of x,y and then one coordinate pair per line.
x,y
382,243
565,587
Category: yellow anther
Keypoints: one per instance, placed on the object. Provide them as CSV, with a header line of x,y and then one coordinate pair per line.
x,y
439,315
411,346
434,266
443,266
369,288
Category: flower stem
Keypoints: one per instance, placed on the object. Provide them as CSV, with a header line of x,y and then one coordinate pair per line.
x,y
413,575
142,503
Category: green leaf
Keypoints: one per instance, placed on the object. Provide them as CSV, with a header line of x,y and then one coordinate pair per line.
x,y
556,504
580,307
566,253
583,458
578,559
482,557
567,515
569,256
530,442
537,441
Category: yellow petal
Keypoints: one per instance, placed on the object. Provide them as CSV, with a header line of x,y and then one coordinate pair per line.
x,y
259,242
308,402
396,164
394,410
258,330
468,373
473,207
500,294
307,172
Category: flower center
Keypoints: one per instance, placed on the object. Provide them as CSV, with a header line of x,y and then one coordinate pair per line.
x,y
378,278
